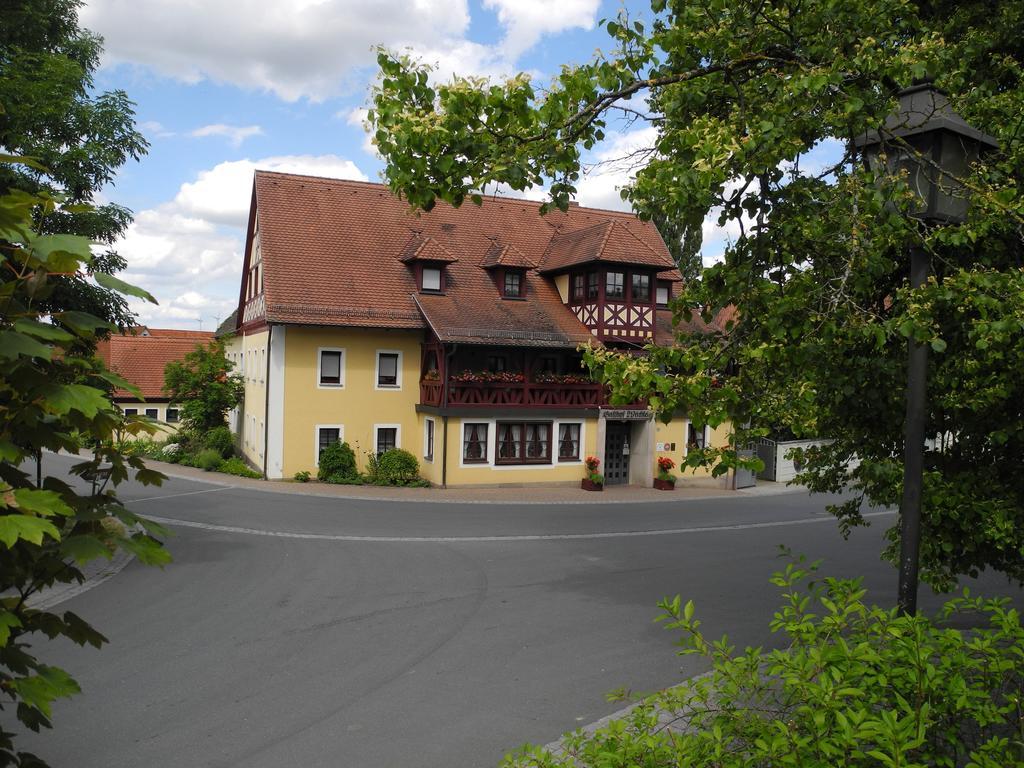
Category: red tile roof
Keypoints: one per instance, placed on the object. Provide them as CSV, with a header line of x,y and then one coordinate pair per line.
x,y
142,359
608,241
499,255
422,248
332,255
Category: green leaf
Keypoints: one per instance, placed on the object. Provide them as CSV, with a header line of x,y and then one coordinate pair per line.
x,y
41,690
14,528
13,344
116,284
938,345
9,452
84,549
8,621
31,162
44,331
147,549
62,253
83,323
63,398
44,503
121,383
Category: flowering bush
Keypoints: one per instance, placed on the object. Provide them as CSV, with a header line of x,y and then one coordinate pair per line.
x,y
665,466
545,377
501,377
432,375
592,463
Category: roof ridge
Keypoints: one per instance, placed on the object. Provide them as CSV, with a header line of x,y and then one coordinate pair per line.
x,y
626,215
645,245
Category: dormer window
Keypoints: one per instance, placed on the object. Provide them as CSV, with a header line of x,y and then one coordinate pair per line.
x,y
431,279
593,285
578,287
512,286
662,294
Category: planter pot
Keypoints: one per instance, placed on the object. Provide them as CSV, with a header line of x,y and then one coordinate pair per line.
x,y
664,485
589,485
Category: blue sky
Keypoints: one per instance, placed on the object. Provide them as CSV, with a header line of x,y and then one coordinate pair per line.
x,y
226,86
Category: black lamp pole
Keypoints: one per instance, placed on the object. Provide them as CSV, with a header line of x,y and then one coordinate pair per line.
x,y
934,147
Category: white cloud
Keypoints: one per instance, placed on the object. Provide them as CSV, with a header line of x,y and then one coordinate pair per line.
x,y
188,252
154,129
526,21
294,48
221,194
235,134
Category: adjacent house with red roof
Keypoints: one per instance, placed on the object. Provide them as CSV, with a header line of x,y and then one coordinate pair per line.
x,y
140,358
454,334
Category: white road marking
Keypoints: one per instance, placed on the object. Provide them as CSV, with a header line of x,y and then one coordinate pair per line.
x,y
523,537
176,495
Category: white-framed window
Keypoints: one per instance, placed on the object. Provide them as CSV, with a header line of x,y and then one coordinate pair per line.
x,y
386,437
325,435
428,439
330,368
661,295
568,447
131,411
389,369
152,413
697,437
474,443
174,415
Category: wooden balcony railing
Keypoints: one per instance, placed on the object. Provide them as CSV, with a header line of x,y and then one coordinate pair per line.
x,y
527,394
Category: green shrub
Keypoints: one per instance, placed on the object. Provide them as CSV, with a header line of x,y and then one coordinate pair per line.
x,y
302,477
394,467
337,459
355,479
208,459
221,440
235,466
853,685
143,447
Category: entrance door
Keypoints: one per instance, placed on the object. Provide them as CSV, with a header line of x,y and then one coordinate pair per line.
x,y
616,458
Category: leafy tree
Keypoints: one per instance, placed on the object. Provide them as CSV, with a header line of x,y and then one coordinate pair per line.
x,y
746,97
49,111
684,241
53,398
204,386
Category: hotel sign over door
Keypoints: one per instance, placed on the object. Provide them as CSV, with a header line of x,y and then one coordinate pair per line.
x,y
627,415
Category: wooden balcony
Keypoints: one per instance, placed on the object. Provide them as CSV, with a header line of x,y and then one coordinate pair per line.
x,y
489,394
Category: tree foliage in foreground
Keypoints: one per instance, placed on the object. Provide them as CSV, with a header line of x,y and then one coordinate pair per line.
x,y
79,138
53,398
854,686
755,105
203,385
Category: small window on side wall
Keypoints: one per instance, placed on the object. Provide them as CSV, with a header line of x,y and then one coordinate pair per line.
x,y
172,416
331,368
696,437
387,439
431,279
152,413
325,437
131,411
578,287
593,285
662,294
640,288
388,370
428,439
614,285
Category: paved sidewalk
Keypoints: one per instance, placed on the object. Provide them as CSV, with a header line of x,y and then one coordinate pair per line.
x,y
686,489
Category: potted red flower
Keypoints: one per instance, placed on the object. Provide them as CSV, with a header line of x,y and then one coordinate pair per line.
x,y
665,481
594,481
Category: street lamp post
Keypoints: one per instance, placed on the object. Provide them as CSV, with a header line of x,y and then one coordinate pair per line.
x,y
935,147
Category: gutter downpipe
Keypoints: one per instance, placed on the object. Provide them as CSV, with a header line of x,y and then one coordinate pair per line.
x,y
444,417
266,402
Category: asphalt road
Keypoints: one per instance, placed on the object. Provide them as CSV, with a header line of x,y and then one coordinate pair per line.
x,y
304,631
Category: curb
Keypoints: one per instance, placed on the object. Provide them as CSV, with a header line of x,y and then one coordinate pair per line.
x,y
95,572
